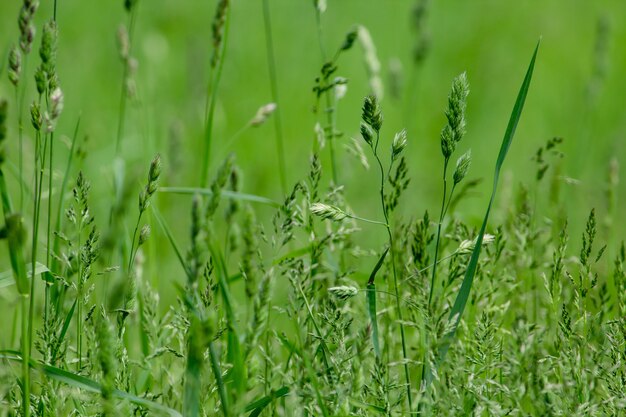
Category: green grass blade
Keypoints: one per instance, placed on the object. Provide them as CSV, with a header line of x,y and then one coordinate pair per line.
x,y
235,354
6,277
256,407
66,325
86,384
371,303
170,238
217,372
464,292
233,195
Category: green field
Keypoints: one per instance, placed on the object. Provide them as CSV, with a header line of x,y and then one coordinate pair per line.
x,y
273,208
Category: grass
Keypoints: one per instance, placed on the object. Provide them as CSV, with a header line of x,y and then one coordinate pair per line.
x,y
329,291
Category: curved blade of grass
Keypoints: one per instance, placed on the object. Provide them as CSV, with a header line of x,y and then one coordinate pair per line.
x,y
234,354
6,277
257,406
371,303
463,295
86,384
66,325
225,193
170,237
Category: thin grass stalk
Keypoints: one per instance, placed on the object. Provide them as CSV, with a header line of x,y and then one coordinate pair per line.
x,y
20,99
438,238
79,296
30,316
121,121
66,176
392,251
49,231
329,131
214,80
271,64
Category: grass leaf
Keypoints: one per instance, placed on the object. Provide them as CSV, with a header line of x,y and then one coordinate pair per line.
x,y
86,384
225,193
464,292
371,303
257,406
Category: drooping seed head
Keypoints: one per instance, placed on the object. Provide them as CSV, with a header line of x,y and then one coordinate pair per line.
x,y
219,22
263,114
26,26
35,116
144,235
151,186
326,211
129,5
462,166
367,133
56,107
350,38
343,292
41,80
15,65
398,144
372,114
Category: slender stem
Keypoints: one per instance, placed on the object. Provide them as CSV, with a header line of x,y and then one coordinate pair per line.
x,y
20,98
392,251
441,214
79,301
212,99
29,314
124,94
70,157
25,357
271,63
54,15
329,131
367,220
131,258
48,237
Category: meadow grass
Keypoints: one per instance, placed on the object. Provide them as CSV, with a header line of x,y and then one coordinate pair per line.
x,y
457,317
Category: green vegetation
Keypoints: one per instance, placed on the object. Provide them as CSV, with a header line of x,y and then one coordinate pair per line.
x,y
260,216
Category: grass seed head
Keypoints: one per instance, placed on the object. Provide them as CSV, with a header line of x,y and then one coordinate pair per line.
x,y
15,65
398,144
328,212
263,114
26,26
454,130
151,187
462,166
219,22
372,113
35,116
343,292
367,133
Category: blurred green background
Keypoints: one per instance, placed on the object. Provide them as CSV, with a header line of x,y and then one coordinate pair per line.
x,y
578,93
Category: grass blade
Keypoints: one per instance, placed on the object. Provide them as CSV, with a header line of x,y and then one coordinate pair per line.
x,y
257,406
170,238
463,295
371,303
86,384
225,193
6,277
